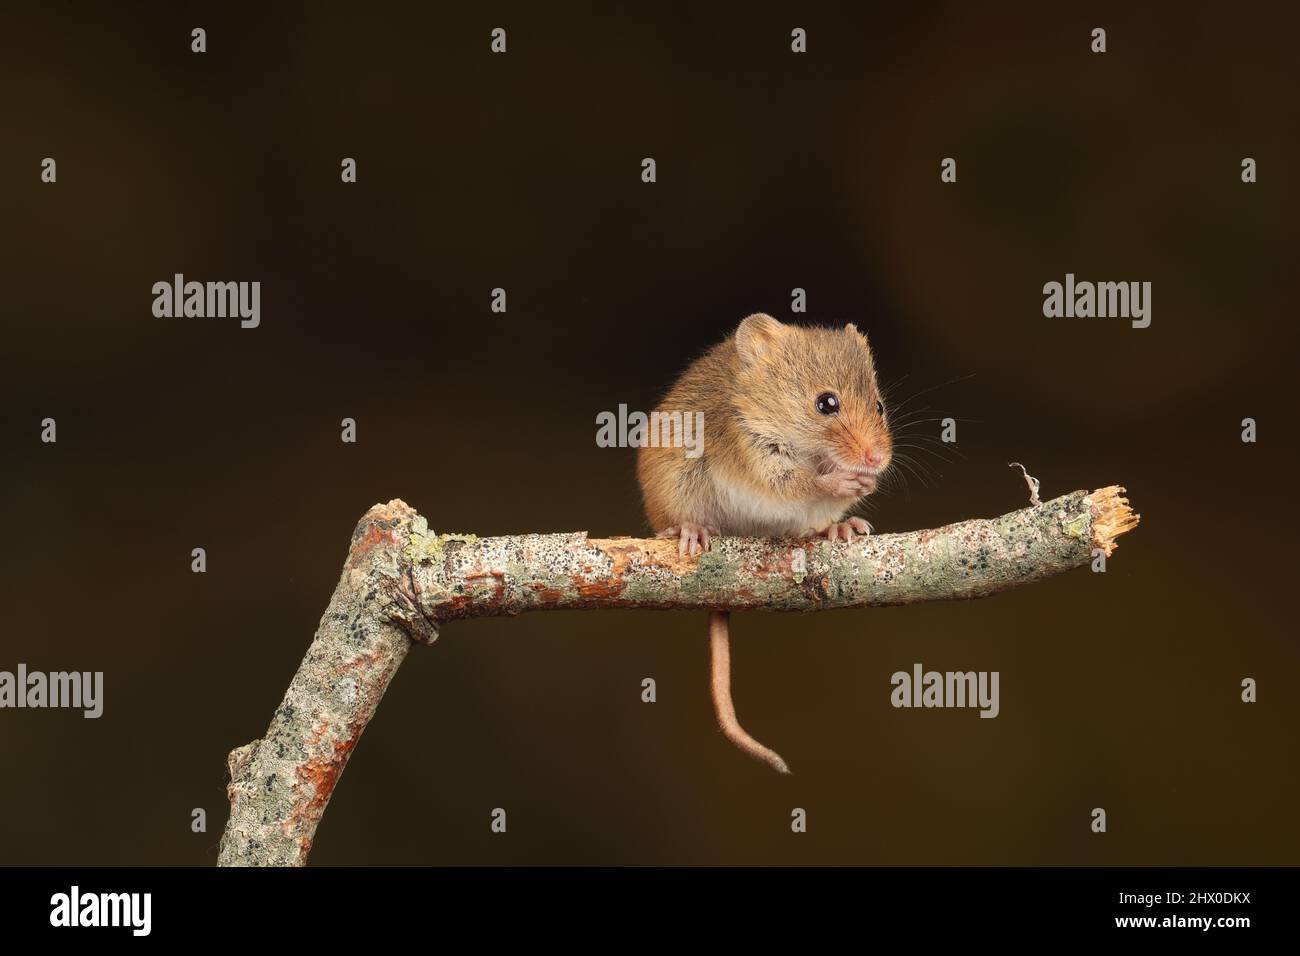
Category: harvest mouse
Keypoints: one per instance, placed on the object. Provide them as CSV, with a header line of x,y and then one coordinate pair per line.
x,y
795,434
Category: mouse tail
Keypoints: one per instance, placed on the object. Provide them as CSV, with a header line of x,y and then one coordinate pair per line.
x,y
720,653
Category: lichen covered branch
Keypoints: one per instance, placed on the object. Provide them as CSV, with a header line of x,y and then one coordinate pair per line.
x,y
458,576
402,580
280,784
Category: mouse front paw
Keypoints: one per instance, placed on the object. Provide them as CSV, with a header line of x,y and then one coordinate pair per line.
x,y
843,529
691,538
845,483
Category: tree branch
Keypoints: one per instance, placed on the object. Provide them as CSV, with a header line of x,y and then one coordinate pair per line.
x,y
401,581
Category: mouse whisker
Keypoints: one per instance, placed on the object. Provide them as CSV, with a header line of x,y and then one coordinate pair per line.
x,y
918,466
924,391
937,448
906,465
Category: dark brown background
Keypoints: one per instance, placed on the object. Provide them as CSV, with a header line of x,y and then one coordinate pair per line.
x,y
775,171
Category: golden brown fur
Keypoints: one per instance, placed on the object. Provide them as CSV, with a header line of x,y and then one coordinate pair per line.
x,y
765,446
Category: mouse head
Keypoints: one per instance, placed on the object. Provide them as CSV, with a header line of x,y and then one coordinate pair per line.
x,y
811,394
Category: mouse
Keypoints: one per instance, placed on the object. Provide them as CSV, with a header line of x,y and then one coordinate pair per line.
x,y
796,434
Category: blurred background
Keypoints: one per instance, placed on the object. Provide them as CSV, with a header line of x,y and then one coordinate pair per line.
x,y
775,171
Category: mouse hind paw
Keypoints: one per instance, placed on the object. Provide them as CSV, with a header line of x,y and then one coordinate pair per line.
x,y
844,529
691,538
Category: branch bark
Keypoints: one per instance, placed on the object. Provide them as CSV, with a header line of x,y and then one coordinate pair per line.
x,y
401,581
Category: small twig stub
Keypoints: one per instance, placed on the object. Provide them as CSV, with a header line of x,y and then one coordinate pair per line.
x,y
1030,480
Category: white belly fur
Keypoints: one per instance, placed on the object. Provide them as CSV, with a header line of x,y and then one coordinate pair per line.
x,y
741,511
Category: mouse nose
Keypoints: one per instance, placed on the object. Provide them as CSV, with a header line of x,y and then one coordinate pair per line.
x,y
873,457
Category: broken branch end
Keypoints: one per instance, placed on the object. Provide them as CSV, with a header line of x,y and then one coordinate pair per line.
x,y
1111,517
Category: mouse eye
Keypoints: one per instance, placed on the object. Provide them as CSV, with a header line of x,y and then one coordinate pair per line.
x,y
880,408
828,403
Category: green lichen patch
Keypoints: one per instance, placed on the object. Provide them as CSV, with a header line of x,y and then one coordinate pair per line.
x,y
428,547
716,572
1078,526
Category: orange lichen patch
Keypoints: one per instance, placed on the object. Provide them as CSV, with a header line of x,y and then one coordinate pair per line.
x,y
780,563
374,536
363,663
479,602
610,588
484,593
547,595
480,580
744,596
322,774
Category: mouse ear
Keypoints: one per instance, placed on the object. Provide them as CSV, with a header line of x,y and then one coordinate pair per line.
x,y
757,336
